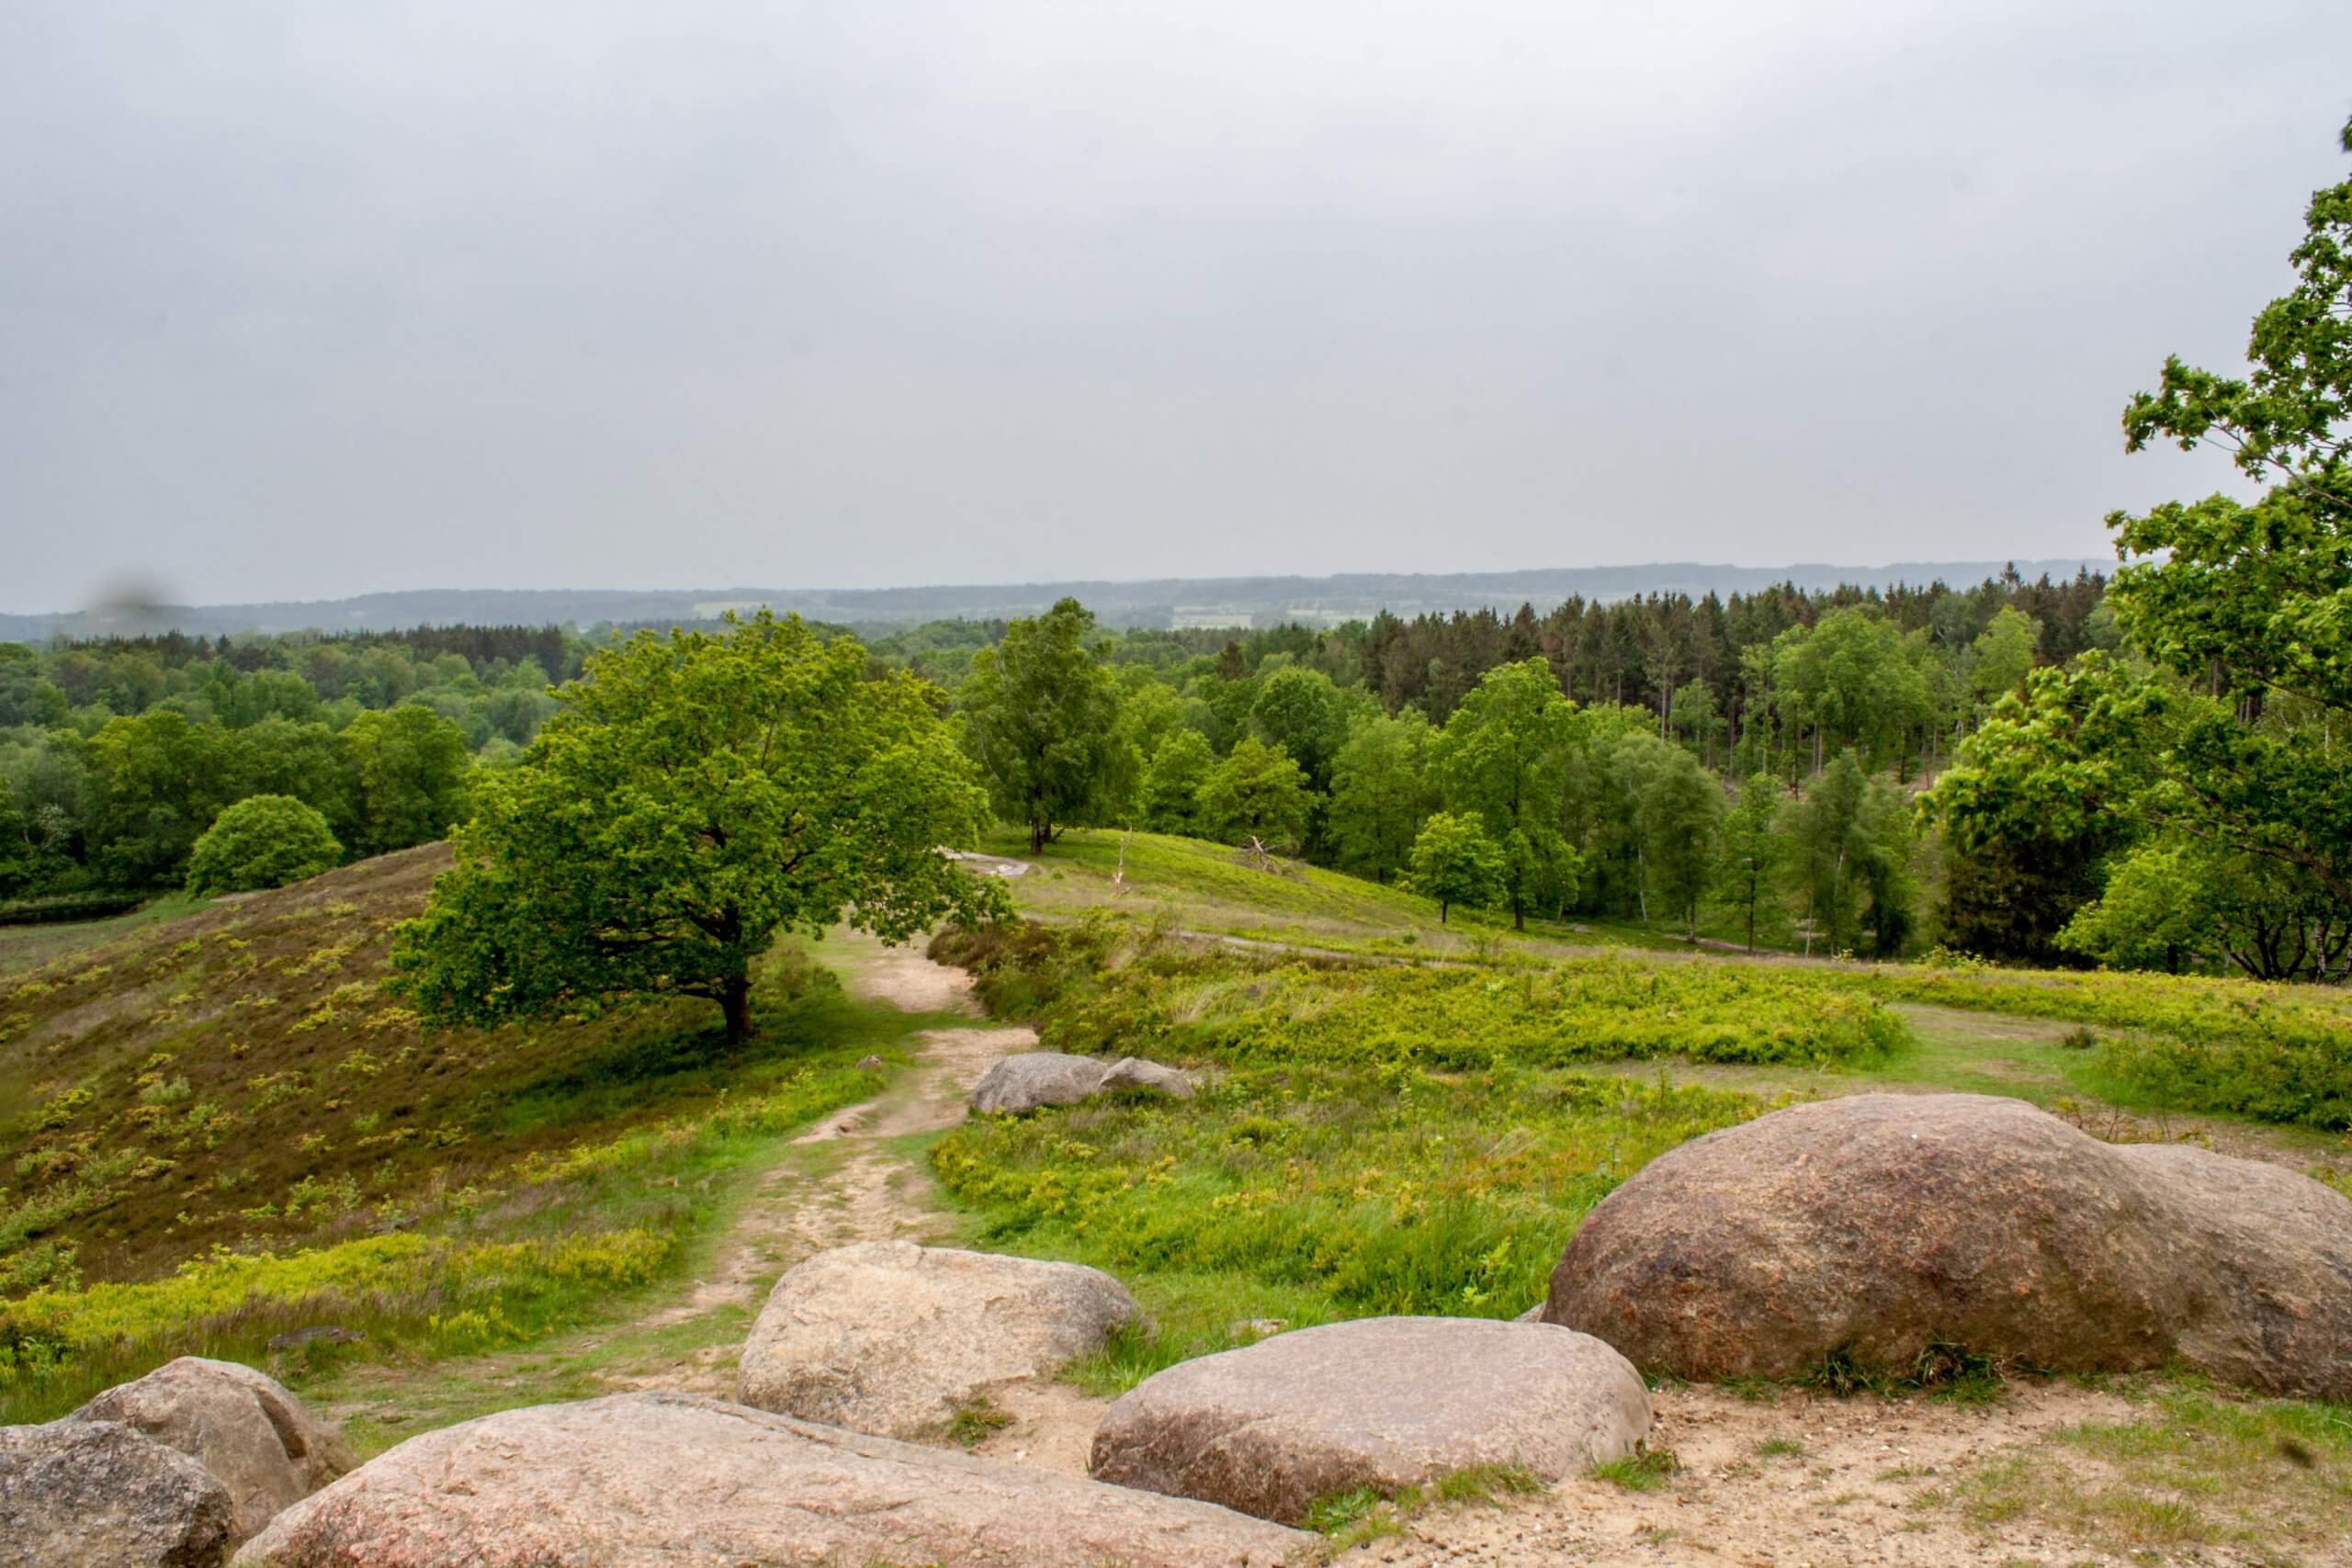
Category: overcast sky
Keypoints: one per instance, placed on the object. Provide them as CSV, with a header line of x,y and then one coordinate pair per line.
x,y
309,299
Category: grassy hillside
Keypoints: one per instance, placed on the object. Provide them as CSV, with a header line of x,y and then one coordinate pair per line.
x,y
216,1127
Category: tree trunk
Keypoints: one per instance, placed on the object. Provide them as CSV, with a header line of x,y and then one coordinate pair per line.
x,y
1518,915
1441,908
735,1000
1040,834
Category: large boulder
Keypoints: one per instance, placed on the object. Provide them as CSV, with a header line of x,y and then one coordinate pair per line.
x,y
893,1338
98,1494
1883,1228
1027,1080
677,1481
1383,1401
2268,1271
253,1437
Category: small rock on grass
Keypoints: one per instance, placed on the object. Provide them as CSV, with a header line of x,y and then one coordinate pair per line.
x,y
1028,1080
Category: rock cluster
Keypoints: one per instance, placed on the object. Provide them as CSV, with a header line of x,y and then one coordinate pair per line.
x,y
253,1437
1884,1229
170,1470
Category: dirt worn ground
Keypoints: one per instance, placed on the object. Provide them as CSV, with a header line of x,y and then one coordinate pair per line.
x,y
1788,1482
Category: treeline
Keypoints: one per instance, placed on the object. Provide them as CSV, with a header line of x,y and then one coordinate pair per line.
x,y
116,756
1521,798
1775,682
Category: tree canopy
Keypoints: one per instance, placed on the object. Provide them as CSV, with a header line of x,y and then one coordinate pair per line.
x,y
1503,757
1042,718
694,796
2219,751
263,841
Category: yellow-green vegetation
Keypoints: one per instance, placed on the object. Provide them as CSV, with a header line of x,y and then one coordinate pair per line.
x,y
2197,1470
1360,1189
219,1129
1116,985
2273,1052
1580,1011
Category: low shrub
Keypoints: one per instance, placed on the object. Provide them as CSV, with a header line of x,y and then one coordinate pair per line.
x,y
1460,1019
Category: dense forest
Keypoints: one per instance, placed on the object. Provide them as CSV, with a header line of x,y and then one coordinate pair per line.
x,y
116,756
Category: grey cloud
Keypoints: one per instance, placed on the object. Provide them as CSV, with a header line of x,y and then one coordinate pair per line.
x,y
299,300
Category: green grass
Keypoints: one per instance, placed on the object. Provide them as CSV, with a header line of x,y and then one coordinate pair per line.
x,y
1309,1192
2272,1053
1209,884
1364,1514
1643,1471
976,1421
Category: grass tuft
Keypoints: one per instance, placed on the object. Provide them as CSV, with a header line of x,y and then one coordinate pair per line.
x,y
1645,1470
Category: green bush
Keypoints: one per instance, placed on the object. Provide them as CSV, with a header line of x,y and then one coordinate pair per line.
x,y
263,841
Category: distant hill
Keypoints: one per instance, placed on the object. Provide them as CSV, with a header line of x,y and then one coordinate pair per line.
x,y
1157,602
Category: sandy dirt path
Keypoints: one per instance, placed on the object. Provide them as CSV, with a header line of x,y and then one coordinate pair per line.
x,y
852,1180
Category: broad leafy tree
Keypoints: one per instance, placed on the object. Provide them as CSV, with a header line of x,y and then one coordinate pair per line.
x,y
1380,793
1503,758
160,780
263,841
1675,811
1748,856
1170,795
1258,792
1851,858
695,796
2231,742
1042,718
410,770
1302,711
1453,861
19,856
2176,904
